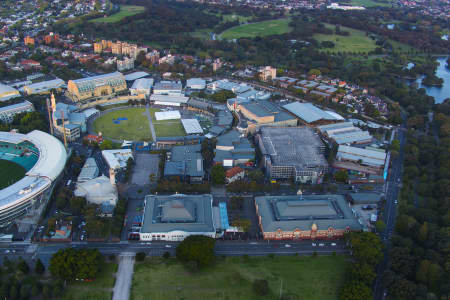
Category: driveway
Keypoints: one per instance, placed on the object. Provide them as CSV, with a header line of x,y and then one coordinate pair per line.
x,y
124,277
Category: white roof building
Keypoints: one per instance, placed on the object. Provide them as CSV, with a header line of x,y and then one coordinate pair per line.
x,y
98,191
142,86
167,115
167,88
169,100
196,83
117,159
192,126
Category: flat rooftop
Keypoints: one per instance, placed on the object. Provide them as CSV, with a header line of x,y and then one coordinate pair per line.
x,y
297,146
188,213
291,212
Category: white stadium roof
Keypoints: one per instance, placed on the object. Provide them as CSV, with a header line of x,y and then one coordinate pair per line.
x,y
50,164
191,126
167,115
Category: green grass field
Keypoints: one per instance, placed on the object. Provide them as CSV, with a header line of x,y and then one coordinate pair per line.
x,y
369,3
252,30
125,11
357,41
306,277
136,128
10,173
100,289
167,128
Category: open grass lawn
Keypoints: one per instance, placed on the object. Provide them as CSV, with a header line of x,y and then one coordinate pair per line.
x,y
10,173
357,41
136,128
400,47
167,127
312,278
125,11
370,3
100,289
252,30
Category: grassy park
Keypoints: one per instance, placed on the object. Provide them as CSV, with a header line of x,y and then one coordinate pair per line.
x,y
252,30
125,11
135,128
303,277
357,41
369,3
99,289
10,173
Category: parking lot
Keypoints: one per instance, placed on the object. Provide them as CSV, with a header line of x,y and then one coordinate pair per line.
x,y
145,164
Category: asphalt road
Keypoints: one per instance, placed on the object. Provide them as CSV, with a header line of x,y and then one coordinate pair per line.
x,y
44,251
393,186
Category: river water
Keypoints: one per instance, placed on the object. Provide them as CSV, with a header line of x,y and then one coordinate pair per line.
x,y
439,93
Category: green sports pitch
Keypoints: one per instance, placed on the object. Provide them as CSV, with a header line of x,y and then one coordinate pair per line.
x,y
10,173
114,126
132,124
251,30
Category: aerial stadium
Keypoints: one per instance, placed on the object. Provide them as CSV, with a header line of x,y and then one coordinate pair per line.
x,y
42,158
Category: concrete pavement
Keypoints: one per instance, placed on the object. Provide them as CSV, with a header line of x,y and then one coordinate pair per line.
x,y
124,276
150,123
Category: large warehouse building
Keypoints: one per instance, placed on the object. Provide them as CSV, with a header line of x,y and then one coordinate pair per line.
x,y
292,152
7,92
305,217
175,217
263,112
96,86
345,133
44,158
43,86
312,115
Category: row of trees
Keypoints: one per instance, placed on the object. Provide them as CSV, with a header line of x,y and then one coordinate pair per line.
x,y
172,186
70,264
19,281
419,266
366,249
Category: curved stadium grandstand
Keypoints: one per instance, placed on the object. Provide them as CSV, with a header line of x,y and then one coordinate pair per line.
x,y
36,159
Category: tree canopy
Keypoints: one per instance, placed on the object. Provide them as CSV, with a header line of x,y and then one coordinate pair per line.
x,y
69,264
198,249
